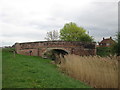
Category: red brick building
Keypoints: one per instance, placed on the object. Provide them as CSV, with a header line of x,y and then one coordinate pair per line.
x,y
108,42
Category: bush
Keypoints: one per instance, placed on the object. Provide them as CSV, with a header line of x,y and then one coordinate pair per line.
x,y
103,51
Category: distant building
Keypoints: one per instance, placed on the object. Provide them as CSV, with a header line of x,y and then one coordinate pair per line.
x,y
108,42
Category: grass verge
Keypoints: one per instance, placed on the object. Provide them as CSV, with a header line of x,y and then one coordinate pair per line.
x,y
21,71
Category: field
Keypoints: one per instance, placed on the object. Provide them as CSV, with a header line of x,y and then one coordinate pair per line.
x,y
21,71
99,72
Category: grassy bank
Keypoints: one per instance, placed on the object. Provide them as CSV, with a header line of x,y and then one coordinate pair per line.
x,y
97,71
0,68
33,72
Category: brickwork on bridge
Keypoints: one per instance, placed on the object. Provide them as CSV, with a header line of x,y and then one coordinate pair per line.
x,y
71,47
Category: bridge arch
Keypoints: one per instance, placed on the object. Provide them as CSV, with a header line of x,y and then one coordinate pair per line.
x,y
54,51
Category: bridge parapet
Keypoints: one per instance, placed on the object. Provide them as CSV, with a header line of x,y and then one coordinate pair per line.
x,y
74,47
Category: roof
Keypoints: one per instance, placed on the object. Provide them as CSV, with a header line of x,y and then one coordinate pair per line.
x,y
107,40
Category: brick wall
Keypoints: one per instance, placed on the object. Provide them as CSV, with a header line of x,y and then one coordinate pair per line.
x,y
38,48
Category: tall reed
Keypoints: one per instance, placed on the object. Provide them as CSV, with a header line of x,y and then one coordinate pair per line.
x,y
99,72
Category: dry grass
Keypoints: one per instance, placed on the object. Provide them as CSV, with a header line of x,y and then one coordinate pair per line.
x,y
96,71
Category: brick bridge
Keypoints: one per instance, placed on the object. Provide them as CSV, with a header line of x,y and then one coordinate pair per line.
x,y
70,47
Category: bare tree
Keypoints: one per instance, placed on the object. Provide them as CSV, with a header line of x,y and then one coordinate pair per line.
x,y
52,35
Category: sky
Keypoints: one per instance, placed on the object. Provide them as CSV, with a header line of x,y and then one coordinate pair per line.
x,y
30,20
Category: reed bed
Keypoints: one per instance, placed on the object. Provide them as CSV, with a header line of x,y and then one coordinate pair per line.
x,y
99,72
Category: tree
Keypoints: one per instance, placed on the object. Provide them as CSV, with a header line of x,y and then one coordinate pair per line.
x,y
116,46
71,32
52,35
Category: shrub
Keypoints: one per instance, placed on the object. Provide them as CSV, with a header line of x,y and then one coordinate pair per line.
x,y
104,51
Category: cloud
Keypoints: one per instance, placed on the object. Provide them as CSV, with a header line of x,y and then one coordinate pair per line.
x,y
14,33
29,20
99,18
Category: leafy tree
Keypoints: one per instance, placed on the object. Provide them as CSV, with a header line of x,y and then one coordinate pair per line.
x,y
52,35
71,32
116,46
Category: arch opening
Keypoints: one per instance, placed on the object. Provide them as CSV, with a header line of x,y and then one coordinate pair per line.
x,y
60,51
54,54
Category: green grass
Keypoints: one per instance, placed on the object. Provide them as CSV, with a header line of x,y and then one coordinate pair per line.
x,y
33,72
0,68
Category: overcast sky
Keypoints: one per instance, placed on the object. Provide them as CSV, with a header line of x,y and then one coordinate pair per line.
x,y
29,20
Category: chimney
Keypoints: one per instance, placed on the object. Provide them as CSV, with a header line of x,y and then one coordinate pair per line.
x,y
110,37
103,38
